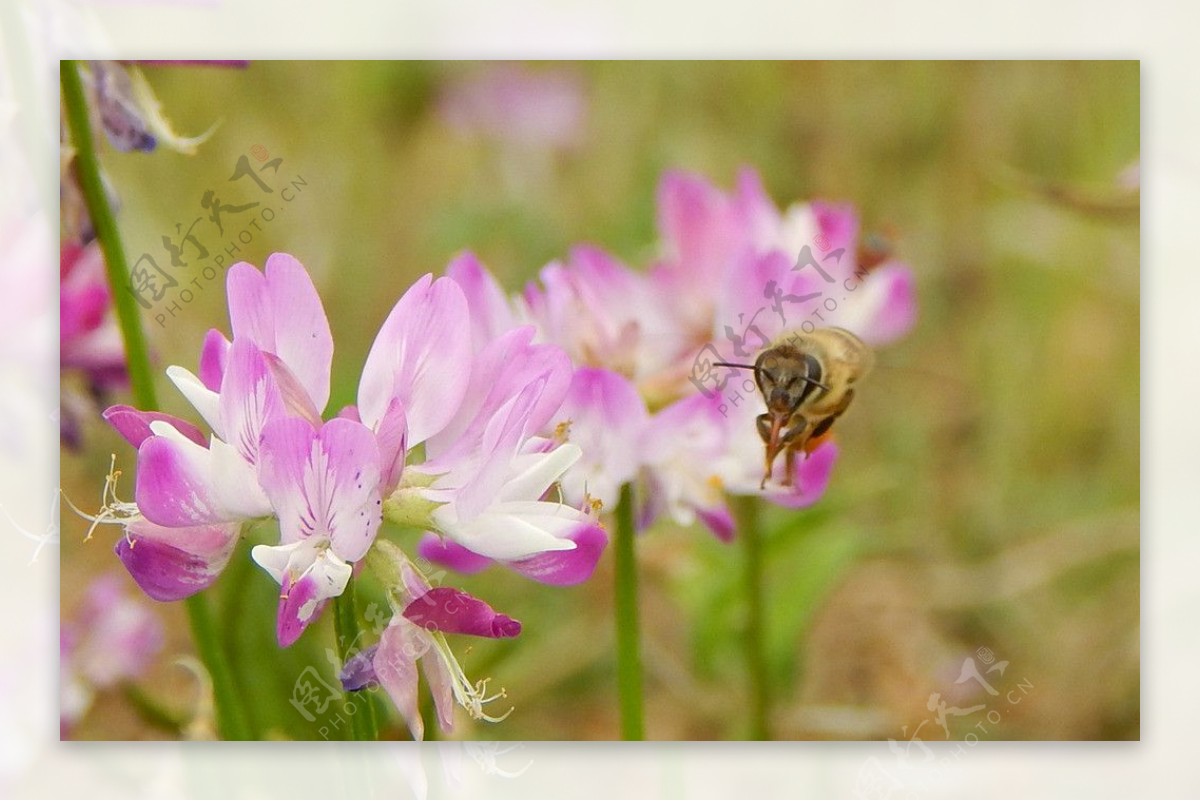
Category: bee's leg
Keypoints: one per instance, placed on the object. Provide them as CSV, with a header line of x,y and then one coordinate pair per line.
x,y
763,421
793,439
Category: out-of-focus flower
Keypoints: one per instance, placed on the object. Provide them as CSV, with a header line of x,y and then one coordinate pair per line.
x,y
416,634
514,104
110,639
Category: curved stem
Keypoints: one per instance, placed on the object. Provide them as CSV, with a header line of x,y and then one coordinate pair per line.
x,y
347,632
231,717
745,509
629,660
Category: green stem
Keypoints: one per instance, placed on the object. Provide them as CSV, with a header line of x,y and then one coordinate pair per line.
x,y
745,509
629,660
346,629
231,719
87,167
232,723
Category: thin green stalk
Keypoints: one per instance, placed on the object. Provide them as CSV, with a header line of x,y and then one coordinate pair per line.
x,y
745,509
231,718
104,222
346,629
629,660
151,710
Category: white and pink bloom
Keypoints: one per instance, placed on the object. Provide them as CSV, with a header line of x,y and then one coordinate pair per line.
x,y
329,482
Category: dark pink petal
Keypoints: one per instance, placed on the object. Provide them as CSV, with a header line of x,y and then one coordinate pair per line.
x,y
448,553
811,479
173,563
298,606
452,611
421,356
719,521
134,424
213,356
562,568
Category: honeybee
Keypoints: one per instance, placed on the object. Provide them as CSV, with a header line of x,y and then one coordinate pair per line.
x,y
807,381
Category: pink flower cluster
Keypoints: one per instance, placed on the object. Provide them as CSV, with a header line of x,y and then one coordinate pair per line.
x,y
646,402
474,405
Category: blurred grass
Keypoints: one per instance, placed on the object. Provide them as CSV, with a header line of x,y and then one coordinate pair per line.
x,y
988,491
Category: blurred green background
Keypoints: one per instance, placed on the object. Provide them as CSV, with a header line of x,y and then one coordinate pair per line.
x,y
988,493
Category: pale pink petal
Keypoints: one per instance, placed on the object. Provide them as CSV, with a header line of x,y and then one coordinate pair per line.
x,y
173,486
562,568
441,689
490,311
249,399
883,308
608,421
134,424
448,553
323,485
173,563
504,368
281,312
699,228
453,611
421,356
396,666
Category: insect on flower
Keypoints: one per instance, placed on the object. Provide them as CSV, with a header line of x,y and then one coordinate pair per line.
x,y
807,381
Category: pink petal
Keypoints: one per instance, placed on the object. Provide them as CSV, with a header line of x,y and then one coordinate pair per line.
x,y
699,228
810,481
213,356
134,424
392,437
173,487
608,422
323,484
421,356
504,368
249,398
281,312
837,225
173,563
453,611
491,314
562,568
889,305
448,553
396,666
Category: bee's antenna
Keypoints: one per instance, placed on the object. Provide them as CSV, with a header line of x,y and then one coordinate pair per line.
x,y
731,364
